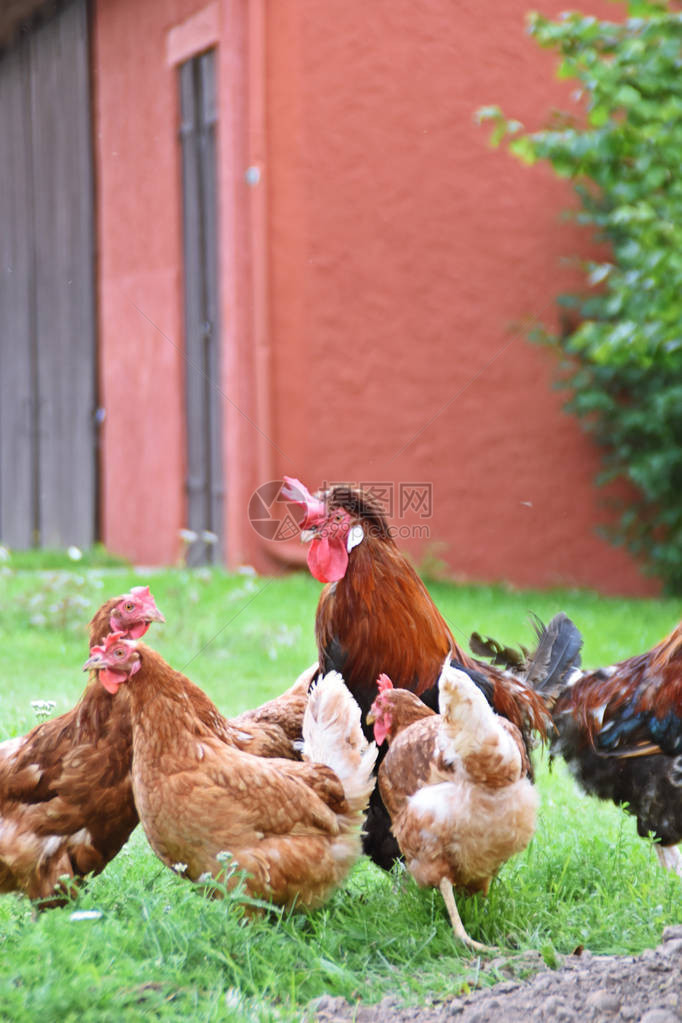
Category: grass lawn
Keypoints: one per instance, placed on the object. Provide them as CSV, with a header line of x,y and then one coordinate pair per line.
x,y
159,950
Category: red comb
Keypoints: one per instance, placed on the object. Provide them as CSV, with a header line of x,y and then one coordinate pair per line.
x,y
111,640
384,683
141,591
296,492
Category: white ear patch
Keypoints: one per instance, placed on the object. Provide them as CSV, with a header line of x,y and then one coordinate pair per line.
x,y
356,535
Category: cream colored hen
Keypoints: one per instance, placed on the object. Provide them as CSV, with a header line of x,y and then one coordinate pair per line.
x,y
454,785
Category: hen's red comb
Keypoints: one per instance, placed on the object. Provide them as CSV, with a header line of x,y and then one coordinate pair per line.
x,y
101,648
384,683
111,640
141,591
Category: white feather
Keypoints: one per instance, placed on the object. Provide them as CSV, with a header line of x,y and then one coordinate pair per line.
x,y
332,735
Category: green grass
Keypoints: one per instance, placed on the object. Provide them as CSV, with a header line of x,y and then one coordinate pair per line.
x,y
162,951
58,558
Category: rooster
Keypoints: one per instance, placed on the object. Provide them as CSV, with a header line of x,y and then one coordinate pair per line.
x,y
619,729
375,615
455,785
293,827
66,803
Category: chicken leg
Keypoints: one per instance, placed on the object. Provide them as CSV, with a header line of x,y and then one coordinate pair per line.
x,y
455,919
670,858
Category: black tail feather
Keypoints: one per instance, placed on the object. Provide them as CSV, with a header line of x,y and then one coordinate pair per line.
x,y
546,669
556,655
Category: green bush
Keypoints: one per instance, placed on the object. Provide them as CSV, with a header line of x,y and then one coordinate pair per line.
x,y
623,360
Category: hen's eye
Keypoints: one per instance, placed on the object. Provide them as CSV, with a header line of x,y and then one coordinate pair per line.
x,y
119,652
130,606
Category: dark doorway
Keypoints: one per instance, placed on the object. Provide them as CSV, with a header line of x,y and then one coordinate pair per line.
x,y
202,337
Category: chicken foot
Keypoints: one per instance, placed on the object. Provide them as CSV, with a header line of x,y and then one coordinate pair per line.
x,y
455,919
670,858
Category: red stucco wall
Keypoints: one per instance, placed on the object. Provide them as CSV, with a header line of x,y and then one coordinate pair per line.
x,y
375,284
406,254
139,275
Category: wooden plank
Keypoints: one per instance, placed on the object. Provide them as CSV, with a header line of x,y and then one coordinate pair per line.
x,y
17,440
65,322
14,14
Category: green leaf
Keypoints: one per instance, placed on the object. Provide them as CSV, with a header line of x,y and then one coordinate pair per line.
x,y
598,116
524,149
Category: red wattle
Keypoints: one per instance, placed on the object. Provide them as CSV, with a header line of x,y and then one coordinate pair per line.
x,y
380,732
327,559
138,630
111,679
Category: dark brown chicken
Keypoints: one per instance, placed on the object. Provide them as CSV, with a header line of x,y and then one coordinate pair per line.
x,y
66,803
375,615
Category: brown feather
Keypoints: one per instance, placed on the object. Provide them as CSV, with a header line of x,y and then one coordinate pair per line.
x,y
276,725
497,653
100,626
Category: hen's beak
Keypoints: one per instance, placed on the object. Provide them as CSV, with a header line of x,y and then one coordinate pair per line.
x,y
370,719
154,616
94,661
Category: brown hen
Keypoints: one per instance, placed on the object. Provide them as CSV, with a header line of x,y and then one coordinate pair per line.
x,y
66,802
293,827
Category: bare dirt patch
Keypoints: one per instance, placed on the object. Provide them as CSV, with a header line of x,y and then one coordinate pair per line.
x,y
584,989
